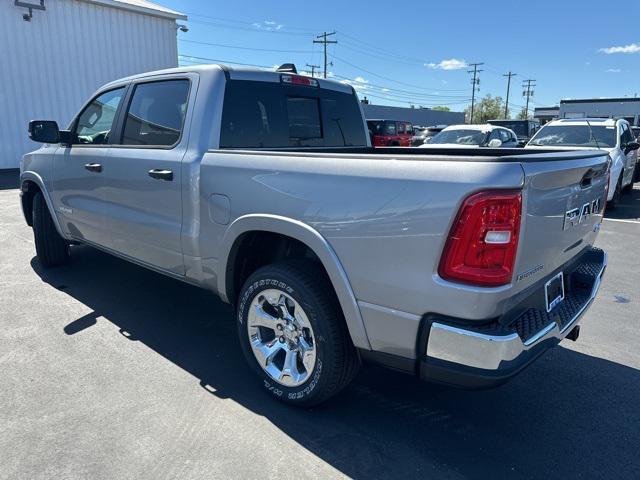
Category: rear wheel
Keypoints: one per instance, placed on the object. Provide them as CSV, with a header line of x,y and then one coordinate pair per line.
x,y
52,250
293,333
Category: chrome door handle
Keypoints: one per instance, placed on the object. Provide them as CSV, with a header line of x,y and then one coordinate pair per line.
x,y
93,167
161,174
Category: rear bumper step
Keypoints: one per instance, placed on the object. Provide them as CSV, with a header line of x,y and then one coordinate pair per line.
x,y
484,357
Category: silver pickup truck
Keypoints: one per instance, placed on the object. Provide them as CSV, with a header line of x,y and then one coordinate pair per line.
x,y
459,266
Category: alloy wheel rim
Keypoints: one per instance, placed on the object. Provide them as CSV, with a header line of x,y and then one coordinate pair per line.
x,y
281,337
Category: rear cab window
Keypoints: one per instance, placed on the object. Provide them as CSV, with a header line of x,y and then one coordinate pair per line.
x,y
260,114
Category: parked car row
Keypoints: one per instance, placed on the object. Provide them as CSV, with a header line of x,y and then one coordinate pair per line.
x,y
615,136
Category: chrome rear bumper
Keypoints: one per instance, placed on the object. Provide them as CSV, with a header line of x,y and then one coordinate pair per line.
x,y
499,352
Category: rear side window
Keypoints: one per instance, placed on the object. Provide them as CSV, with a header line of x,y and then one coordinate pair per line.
x,y
273,115
156,113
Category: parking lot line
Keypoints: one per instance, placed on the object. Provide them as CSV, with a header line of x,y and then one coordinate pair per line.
x,y
621,220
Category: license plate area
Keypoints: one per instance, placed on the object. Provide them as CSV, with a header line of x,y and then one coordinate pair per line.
x,y
554,291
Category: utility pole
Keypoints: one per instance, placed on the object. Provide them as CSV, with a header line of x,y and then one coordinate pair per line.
x,y
528,85
313,69
506,104
325,42
475,84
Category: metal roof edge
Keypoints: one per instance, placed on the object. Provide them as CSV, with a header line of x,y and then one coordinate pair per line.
x,y
124,5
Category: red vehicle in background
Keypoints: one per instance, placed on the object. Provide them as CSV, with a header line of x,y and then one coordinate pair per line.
x,y
390,133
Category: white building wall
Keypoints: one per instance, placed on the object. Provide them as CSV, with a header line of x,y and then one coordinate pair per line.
x,y
51,65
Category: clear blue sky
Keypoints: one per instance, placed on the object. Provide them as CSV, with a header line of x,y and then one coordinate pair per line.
x,y
416,52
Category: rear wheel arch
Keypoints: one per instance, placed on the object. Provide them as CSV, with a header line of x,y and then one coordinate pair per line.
x,y
296,240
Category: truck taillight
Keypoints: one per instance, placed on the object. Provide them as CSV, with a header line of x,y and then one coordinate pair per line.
x,y
482,244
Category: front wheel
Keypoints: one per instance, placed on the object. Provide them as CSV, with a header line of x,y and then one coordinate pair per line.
x,y
293,333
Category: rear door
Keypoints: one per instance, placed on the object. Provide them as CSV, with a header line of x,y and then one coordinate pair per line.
x,y
563,203
142,173
78,179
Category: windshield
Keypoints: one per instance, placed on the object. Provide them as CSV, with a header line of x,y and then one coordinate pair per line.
x,y
520,128
576,136
461,137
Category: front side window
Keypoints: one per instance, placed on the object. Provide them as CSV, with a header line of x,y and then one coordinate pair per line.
x,y
95,123
627,136
156,113
505,136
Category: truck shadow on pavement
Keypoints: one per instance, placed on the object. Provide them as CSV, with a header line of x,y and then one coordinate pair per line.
x,y
567,416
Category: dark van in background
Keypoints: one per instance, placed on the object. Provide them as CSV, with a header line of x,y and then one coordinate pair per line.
x,y
524,129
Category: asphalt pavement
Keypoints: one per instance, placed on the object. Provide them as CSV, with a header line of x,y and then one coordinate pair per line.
x,y
110,371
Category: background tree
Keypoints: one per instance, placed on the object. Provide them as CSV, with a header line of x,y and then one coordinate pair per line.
x,y
523,115
487,108
442,109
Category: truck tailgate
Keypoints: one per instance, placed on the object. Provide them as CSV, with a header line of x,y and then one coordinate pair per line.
x,y
563,204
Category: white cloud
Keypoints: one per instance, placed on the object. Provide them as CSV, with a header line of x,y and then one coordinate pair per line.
x,y
613,70
631,48
359,83
450,64
269,25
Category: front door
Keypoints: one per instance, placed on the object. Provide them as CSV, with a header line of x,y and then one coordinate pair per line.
x,y
143,178
78,170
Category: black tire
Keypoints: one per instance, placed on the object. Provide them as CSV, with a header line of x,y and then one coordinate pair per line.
x,y
337,361
51,248
617,195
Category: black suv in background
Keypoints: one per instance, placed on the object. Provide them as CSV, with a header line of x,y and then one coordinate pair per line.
x,y
524,129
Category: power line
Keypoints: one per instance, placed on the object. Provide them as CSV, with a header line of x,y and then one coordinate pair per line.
x,y
475,84
324,43
387,78
506,103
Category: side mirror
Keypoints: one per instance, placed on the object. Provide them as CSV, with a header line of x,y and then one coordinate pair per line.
x,y
495,143
631,146
44,131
